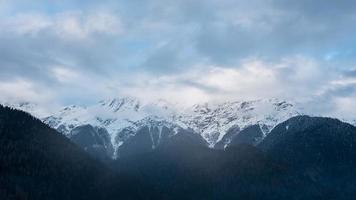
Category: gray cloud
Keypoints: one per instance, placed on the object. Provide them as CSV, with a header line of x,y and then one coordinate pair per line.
x,y
279,29
81,48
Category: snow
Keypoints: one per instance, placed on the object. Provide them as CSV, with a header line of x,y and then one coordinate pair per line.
x,y
211,120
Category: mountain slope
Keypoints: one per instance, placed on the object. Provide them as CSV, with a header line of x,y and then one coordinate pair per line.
x,y
36,163
322,149
34,157
312,139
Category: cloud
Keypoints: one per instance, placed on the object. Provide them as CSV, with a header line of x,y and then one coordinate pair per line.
x,y
24,24
79,26
189,51
33,42
344,108
290,78
66,25
23,90
64,75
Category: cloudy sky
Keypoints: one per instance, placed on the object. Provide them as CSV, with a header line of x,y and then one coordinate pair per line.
x,y
78,52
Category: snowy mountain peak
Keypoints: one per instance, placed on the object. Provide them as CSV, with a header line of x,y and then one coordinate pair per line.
x,y
118,104
121,117
213,120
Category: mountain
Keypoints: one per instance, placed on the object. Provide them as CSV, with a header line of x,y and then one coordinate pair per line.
x,y
122,118
34,157
38,163
213,121
322,149
301,158
315,140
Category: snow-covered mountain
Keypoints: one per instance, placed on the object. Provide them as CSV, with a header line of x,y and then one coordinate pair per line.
x,y
123,117
213,121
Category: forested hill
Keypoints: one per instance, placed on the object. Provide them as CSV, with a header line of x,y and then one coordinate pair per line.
x,y
36,162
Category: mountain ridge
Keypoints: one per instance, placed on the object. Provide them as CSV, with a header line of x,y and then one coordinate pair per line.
x,y
122,118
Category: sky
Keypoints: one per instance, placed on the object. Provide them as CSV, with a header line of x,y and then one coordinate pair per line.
x,y
63,52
